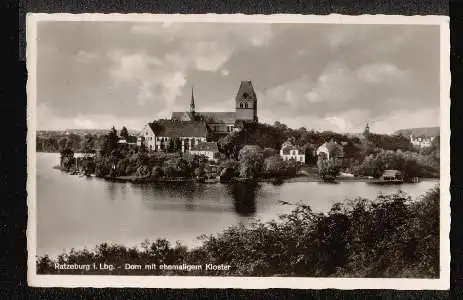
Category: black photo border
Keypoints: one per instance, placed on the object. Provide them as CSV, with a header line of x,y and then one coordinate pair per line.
x,y
13,171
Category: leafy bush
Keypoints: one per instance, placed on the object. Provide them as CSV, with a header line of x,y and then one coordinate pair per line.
x,y
411,164
390,236
328,168
250,159
274,166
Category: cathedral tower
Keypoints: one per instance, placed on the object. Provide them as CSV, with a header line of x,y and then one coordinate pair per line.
x,y
366,131
192,103
246,103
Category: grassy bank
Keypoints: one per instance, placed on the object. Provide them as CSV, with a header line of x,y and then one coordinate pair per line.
x,y
387,237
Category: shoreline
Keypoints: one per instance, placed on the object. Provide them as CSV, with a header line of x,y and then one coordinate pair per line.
x,y
144,180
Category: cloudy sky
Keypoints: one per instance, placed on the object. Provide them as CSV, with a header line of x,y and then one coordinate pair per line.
x,y
321,76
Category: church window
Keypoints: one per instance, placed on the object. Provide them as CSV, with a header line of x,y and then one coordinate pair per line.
x,y
245,95
241,105
246,105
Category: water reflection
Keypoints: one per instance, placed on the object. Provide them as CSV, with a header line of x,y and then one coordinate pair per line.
x,y
244,198
73,212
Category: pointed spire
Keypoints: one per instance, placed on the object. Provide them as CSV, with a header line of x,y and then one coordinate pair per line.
x,y
192,104
367,130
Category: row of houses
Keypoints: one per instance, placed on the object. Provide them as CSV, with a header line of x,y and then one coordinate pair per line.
x,y
195,139
327,150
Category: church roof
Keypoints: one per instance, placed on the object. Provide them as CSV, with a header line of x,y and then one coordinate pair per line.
x,y
174,128
218,117
227,117
246,88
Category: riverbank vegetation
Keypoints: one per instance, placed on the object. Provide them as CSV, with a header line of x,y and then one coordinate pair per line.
x,y
390,236
249,154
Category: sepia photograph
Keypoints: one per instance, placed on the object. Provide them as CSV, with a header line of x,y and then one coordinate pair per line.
x,y
238,151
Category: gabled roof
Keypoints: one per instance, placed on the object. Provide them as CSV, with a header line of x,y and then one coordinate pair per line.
x,y
331,145
288,145
246,88
389,173
173,128
227,117
182,116
205,146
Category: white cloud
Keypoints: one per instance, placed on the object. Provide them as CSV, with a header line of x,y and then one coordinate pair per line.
x,y
210,56
313,97
224,72
340,123
202,46
132,66
342,35
153,78
85,57
260,36
380,72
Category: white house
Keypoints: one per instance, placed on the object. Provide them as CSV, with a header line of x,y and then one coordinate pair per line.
x,y
288,151
156,136
130,140
421,141
208,149
330,149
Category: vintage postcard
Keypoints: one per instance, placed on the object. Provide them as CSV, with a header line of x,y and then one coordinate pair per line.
x,y
238,151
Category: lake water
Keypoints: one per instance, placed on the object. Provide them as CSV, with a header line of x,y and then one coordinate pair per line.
x,y
78,212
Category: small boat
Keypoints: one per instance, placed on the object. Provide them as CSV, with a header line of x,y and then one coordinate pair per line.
x,y
389,177
385,182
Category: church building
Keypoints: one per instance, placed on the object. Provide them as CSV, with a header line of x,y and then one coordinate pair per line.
x,y
198,126
221,123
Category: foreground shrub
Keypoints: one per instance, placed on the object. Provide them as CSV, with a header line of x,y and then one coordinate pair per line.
x,y
390,236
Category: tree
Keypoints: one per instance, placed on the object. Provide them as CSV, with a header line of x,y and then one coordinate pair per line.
x,y
328,169
124,133
88,145
170,146
142,149
87,164
67,159
177,144
269,152
309,152
156,172
110,142
250,161
199,172
231,144
274,166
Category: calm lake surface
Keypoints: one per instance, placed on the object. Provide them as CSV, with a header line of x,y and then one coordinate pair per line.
x,y
78,212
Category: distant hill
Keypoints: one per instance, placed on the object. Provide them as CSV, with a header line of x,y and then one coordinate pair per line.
x,y
424,131
80,132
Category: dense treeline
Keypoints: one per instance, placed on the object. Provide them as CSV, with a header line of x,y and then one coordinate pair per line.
x,y
251,153
74,142
388,237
